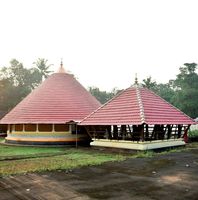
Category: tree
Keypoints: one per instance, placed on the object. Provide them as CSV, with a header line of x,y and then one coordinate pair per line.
x,y
186,89
150,84
16,82
5,89
43,67
103,96
163,90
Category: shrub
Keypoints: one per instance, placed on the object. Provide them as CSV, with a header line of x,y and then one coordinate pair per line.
x,y
193,133
193,136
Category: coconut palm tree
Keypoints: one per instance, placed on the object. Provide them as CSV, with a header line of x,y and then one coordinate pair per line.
x,y
43,67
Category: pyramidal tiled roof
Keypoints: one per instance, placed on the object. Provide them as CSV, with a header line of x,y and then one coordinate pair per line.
x,y
59,99
136,105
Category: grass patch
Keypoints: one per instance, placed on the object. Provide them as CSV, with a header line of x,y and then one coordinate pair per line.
x,y
21,160
192,145
7,151
2,139
173,150
70,158
144,154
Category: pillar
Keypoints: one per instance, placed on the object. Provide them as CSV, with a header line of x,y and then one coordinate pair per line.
x,y
115,132
169,131
123,131
179,130
37,129
8,131
142,132
147,132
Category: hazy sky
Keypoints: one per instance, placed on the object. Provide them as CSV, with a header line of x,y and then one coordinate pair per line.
x,y
103,42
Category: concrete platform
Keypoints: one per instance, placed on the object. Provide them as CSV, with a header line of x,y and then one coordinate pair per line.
x,y
138,145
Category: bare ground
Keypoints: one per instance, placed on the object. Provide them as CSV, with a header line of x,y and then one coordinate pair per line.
x,y
171,176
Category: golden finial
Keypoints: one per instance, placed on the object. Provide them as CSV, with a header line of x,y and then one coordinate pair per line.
x,y
61,64
136,79
61,68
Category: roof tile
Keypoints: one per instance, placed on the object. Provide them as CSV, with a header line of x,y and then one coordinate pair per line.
x,y
59,99
137,105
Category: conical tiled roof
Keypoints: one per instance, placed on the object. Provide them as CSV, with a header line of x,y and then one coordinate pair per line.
x,y
136,105
59,99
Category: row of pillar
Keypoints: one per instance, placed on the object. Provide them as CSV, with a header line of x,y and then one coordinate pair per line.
x,y
142,131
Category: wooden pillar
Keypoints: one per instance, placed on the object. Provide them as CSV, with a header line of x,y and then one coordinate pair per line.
x,y
147,132
169,131
142,132
95,133
53,128
162,132
76,136
23,128
8,131
37,129
88,132
179,130
123,131
130,132
115,132
70,128
109,132
136,133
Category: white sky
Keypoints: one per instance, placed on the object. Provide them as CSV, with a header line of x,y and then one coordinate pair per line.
x,y
102,42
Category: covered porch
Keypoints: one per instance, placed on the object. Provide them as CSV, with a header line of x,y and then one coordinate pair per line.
x,y
138,137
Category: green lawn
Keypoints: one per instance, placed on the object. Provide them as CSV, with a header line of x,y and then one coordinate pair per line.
x,y
20,160
62,162
6,151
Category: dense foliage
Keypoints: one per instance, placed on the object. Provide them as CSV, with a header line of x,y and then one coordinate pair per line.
x,y
186,89
103,96
16,81
181,92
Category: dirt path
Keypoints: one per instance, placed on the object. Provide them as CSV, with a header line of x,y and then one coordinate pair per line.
x,y
172,176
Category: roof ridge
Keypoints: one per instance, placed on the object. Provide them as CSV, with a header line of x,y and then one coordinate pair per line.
x,y
104,104
170,104
139,98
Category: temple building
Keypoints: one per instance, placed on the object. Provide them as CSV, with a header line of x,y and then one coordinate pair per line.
x,y
49,114
137,119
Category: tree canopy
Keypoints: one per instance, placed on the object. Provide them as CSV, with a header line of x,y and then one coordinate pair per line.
x,y
181,92
103,96
186,89
16,82
43,67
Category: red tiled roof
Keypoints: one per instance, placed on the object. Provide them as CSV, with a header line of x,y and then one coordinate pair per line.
x,y
136,105
59,99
